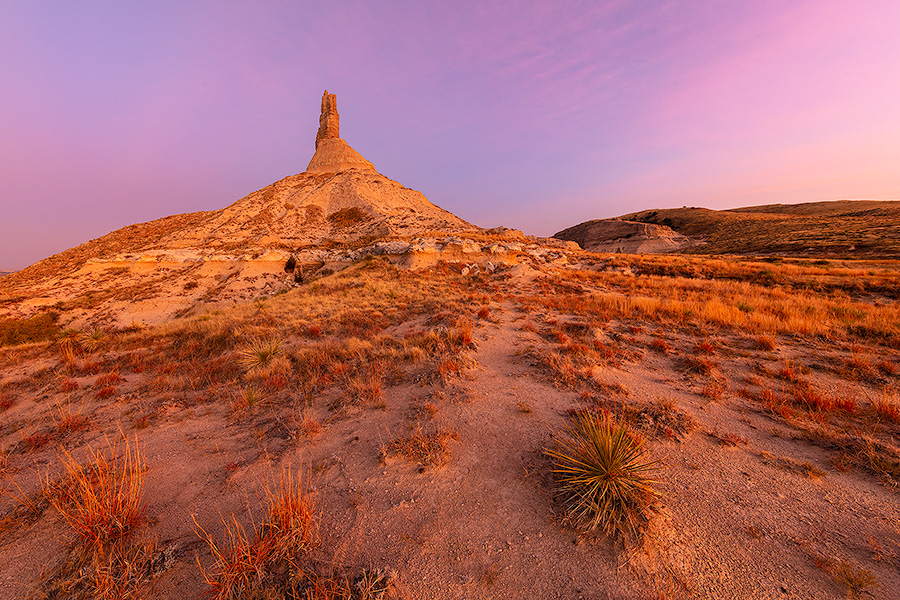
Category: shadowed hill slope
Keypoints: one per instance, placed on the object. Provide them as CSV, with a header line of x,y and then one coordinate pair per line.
x,y
848,229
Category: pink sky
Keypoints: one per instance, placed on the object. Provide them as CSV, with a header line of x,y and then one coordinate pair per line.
x,y
535,115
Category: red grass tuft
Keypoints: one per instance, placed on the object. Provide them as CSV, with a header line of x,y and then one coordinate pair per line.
x,y
661,346
811,399
561,336
713,391
101,500
705,347
847,405
106,392
68,385
765,342
887,408
108,379
37,440
788,371
242,560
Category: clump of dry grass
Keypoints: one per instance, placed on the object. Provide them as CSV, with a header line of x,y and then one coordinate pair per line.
x,y
727,438
69,418
713,390
699,364
248,564
68,343
857,580
887,407
112,571
310,425
427,449
365,387
101,499
661,418
766,342
661,346
602,472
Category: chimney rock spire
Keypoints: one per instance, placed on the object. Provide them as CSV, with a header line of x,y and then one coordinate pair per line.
x,y
329,120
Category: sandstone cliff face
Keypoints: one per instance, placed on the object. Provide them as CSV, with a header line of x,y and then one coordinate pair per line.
x,y
629,237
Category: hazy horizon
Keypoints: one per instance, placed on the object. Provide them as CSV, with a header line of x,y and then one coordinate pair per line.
x,y
522,115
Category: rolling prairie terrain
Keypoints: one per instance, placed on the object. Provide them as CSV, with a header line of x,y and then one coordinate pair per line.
x,y
416,405
840,229
847,229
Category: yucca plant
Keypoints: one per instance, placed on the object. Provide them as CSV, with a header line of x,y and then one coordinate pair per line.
x,y
603,475
259,353
93,339
69,344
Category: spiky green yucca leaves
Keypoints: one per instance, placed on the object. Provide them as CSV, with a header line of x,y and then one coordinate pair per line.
x,y
603,473
259,353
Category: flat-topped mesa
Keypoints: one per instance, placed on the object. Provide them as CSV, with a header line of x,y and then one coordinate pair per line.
x,y
333,154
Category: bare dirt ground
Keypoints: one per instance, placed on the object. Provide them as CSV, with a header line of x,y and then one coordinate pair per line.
x,y
766,489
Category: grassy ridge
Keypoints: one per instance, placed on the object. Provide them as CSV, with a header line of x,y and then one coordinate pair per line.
x,y
845,229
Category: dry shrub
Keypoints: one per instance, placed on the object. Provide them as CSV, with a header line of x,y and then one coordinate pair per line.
x,y
38,328
602,472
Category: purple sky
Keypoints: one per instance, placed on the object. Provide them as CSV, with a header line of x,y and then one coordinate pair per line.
x,y
534,115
